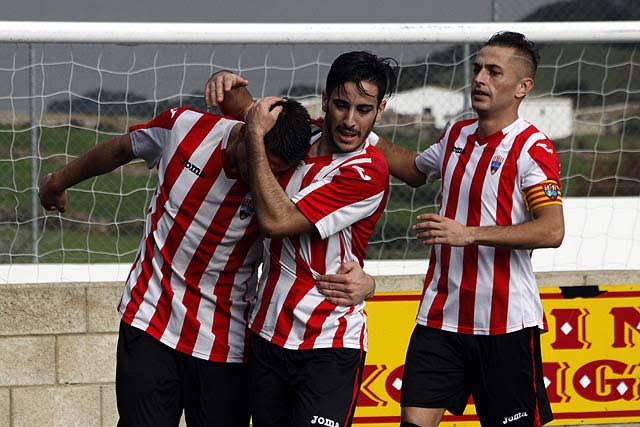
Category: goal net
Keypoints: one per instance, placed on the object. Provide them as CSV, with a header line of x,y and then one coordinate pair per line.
x,y
67,87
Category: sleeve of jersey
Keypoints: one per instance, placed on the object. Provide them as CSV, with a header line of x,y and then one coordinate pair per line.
x,y
148,140
541,175
428,162
354,192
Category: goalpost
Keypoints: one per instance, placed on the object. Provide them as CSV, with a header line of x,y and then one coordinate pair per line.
x,y
69,86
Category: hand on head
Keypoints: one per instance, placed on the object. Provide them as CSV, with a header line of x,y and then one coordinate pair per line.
x,y
220,84
262,115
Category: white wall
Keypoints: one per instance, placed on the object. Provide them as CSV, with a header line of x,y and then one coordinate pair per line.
x,y
601,233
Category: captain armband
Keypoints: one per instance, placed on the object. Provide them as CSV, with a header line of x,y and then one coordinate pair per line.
x,y
543,194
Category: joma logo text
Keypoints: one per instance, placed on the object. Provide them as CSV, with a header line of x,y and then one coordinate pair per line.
x,y
193,168
324,421
514,417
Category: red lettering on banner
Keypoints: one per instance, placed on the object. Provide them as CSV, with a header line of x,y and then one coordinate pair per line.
x,y
555,379
367,397
626,320
570,330
600,381
393,385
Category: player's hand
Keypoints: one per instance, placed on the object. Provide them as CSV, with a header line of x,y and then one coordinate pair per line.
x,y
51,197
349,286
434,229
219,84
262,116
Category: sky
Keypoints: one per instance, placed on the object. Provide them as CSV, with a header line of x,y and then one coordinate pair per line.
x,y
269,10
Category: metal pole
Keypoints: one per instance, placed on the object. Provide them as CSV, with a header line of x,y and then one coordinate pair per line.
x,y
34,156
494,11
467,81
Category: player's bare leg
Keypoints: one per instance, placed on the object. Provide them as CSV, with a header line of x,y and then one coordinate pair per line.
x,y
421,417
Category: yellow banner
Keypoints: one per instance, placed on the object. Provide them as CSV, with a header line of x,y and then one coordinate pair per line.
x,y
591,358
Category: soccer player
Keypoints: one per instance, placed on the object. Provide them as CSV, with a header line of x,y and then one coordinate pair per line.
x,y
479,321
185,304
305,353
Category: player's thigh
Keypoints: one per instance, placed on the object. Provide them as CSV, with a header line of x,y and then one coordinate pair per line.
x,y
508,384
148,391
435,371
327,384
269,393
215,393
421,417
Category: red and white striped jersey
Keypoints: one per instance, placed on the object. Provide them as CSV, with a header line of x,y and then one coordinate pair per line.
x,y
195,270
487,290
344,195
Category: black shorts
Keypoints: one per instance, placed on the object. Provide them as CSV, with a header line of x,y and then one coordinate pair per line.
x,y
155,383
296,388
502,372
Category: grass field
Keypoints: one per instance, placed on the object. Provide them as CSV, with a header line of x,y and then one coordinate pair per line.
x,y
105,215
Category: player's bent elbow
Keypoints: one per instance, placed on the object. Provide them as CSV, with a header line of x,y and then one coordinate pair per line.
x,y
554,238
272,229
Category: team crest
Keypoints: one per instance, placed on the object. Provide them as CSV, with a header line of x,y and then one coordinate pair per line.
x,y
246,208
551,190
496,162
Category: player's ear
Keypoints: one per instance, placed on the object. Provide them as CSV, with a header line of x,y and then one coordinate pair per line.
x,y
381,108
524,87
325,101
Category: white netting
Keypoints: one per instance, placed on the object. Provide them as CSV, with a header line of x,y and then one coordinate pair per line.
x,y
58,100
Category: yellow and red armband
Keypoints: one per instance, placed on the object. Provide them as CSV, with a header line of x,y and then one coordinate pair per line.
x,y
543,194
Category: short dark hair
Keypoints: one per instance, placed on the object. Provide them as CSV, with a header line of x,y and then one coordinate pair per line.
x,y
360,66
523,46
289,137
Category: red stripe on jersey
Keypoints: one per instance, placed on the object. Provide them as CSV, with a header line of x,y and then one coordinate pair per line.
x,y
275,248
544,154
164,120
224,285
314,325
173,170
469,280
298,290
502,257
436,312
200,261
325,308
338,339
182,221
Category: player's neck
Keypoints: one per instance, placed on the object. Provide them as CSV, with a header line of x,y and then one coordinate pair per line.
x,y
488,124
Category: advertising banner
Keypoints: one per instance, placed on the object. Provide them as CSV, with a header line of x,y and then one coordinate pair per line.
x,y
591,356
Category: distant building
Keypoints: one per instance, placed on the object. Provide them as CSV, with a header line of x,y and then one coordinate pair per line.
x,y
431,104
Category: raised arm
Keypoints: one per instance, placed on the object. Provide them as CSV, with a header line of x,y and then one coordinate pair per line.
x,y
402,162
277,215
99,160
229,92
545,230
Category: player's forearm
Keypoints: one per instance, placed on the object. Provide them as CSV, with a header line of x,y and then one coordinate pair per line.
x,y
236,103
276,213
537,233
402,163
99,160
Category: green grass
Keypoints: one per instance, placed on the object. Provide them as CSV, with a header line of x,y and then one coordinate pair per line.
x,y
592,165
